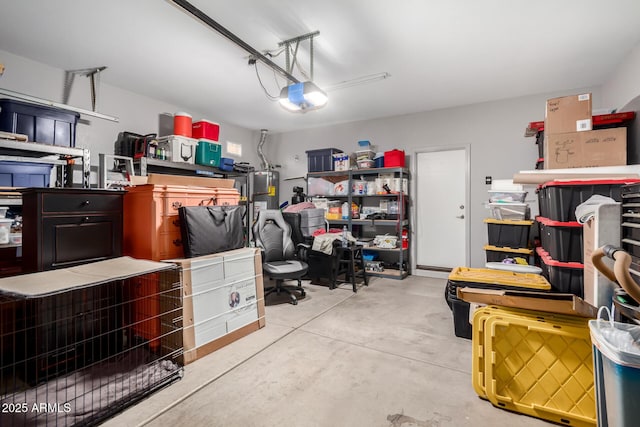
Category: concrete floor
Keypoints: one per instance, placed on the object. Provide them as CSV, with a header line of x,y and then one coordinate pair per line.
x,y
384,356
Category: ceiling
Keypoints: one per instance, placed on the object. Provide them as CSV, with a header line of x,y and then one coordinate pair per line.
x,y
439,53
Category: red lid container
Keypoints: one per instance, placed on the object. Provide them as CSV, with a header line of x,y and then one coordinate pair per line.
x,y
182,124
204,129
394,159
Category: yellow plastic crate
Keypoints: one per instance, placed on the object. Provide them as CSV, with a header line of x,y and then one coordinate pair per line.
x,y
535,363
499,277
478,336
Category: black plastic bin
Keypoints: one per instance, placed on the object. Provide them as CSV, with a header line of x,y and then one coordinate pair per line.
x,y
42,124
562,240
565,277
508,233
558,199
321,160
463,277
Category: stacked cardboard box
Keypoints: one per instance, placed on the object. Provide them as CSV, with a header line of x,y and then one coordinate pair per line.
x,y
570,142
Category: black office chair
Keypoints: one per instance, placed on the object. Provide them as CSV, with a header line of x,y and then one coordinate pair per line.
x,y
279,254
322,267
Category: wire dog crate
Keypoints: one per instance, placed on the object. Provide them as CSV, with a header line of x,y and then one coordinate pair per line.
x,y
78,345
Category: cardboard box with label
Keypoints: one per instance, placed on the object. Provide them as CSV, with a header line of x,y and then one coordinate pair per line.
x,y
223,299
603,147
568,114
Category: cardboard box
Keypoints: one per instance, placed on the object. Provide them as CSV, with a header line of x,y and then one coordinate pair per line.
x,y
223,300
166,179
531,300
568,114
604,147
341,162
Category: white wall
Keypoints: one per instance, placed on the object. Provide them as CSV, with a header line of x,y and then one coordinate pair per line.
x,y
623,84
137,113
494,131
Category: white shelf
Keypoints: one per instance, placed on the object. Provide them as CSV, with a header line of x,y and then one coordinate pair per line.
x,y
538,176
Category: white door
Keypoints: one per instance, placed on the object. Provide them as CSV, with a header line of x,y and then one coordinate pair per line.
x,y
441,209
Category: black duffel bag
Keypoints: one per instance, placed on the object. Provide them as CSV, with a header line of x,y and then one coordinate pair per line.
x,y
211,229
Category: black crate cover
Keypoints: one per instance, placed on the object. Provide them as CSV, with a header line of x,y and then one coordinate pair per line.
x,y
211,229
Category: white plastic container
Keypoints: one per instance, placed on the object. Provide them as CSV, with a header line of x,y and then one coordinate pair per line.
x,y
385,241
341,162
509,210
365,154
341,188
505,196
5,230
15,238
359,187
345,210
179,148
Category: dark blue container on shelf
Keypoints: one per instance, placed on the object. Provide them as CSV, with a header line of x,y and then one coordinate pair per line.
x,y
226,164
43,124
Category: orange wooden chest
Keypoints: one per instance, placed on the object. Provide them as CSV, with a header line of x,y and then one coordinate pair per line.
x,y
152,231
151,221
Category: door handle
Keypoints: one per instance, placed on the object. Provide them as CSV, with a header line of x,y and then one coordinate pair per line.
x,y
460,216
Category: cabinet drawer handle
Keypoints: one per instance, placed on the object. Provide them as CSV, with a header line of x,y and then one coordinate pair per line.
x,y
85,219
176,205
177,242
85,203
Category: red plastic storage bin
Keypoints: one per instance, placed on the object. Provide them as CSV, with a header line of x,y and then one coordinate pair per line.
x,y
394,159
206,130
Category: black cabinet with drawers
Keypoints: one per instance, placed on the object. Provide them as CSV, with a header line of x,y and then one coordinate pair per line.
x,y
68,226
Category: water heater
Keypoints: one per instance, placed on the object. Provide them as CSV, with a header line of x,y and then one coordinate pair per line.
x,y
264,188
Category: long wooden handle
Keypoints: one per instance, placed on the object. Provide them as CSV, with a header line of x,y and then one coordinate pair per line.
x,y
14,136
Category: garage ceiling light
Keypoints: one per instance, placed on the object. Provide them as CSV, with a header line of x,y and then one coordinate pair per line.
x,y
302,97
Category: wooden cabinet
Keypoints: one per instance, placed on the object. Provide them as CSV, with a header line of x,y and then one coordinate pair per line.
x,y
151,221
70,226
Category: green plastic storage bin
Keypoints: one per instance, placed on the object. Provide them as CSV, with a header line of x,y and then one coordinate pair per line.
x,y
208,153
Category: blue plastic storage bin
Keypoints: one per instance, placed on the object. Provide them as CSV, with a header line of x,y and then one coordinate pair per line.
x,y
19,174
226,164
46,125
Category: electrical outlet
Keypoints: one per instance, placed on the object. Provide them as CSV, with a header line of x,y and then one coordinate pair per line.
x,y
487,180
